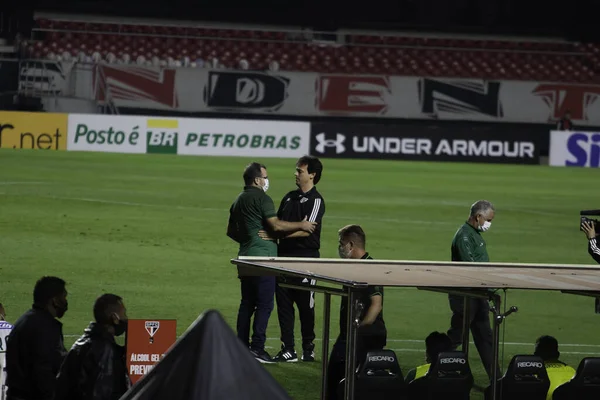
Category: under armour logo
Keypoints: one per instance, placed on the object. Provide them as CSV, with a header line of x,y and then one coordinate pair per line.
x,y
338,143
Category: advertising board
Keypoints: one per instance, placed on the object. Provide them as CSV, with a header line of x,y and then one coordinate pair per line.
x,y
188,136
574,149
28,130
398,142
147,343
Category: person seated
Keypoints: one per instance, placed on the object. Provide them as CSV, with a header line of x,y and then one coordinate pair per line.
x,y
435,344
559,372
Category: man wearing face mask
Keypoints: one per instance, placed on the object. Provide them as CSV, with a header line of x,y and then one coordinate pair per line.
x,y
468,246
252,211
35,348
372,333
95,368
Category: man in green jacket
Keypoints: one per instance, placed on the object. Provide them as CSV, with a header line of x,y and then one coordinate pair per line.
x,y
253,210
468,246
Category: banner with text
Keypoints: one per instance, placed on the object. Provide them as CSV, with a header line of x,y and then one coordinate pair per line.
x,y
313,94
147,343
397,142
27,130
574,149
188,136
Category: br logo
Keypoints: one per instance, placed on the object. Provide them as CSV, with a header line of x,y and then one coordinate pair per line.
x,y
323,142
152,328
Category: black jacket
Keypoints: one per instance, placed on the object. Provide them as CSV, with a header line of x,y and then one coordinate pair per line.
x,y
294,206
94,369
594,249
34,352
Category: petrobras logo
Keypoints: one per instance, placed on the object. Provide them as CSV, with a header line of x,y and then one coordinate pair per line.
x,y
188,136
575,149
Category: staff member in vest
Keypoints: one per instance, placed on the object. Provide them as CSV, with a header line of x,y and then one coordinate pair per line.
x,y
435,344
253,210
468,245
372,333
546,347
306,201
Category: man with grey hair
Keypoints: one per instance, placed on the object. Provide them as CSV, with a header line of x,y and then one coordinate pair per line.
x,y
468,245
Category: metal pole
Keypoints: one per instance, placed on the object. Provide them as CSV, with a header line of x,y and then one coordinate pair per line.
x,y
325,352
350,344
495,340
466,325
498,319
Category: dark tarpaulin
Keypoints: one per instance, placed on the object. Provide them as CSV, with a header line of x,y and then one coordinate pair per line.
x,y
208,362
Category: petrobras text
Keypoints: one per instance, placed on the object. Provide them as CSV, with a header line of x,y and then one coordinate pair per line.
x,y
187,136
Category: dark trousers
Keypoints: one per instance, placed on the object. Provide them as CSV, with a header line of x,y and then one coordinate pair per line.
x,y
305,301
336,369
481,329
257,299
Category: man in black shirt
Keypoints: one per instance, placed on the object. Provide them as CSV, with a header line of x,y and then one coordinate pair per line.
x,y
35,348
589,228
305,202
95,368
372,333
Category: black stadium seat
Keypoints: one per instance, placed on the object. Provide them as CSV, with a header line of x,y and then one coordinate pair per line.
x,y
380,378
525,378
585,385
449,378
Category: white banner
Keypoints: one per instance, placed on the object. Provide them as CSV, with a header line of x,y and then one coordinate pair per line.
x,y
188,136
106,133
311,94
218,137
574,149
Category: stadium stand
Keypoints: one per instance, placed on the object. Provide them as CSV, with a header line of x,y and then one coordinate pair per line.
x,y
146,43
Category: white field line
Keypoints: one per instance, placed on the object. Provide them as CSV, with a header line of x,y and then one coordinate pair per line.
x,y
426,224
24,183
422,351
562,345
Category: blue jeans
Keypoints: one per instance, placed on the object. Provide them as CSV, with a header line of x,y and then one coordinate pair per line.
x,y
258,294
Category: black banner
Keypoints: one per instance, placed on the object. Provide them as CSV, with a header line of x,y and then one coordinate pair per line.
x,y
245,91
490,143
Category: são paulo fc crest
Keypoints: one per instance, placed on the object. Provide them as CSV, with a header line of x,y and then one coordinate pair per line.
x,y
152,328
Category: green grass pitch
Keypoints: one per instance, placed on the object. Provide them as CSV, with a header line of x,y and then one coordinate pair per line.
x,y
152,229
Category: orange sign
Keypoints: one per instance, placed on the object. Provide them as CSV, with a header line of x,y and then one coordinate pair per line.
x,y
147,343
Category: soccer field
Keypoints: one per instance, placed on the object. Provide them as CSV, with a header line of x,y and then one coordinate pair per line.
x,y
152,229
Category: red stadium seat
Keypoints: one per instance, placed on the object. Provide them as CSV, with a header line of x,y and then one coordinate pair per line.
x,y
363,53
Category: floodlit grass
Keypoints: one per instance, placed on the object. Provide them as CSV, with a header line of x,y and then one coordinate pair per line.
x,y
152,229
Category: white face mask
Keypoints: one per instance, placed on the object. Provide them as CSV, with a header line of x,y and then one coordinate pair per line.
x,y
344,252
266,186
486,225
